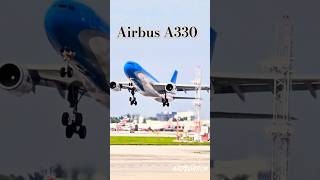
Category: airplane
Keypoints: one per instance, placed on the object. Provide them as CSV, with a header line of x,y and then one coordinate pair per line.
x,y
147,85
81,37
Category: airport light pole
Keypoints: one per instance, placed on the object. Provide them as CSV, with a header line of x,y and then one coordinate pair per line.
x,y
281,125
197,104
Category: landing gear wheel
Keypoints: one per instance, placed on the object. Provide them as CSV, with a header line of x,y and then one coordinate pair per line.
x,y
133,102
69,131
165,102
69,72
78,119
82,132
63,72
65,119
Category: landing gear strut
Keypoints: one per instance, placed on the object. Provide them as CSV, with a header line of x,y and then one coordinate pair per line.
x,y
74,122
165,101
67,55
133,100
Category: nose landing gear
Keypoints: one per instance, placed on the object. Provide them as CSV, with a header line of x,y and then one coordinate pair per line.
x,y
74,123
68,71
68,55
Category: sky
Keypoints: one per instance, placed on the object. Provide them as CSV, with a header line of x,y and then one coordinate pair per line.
x,y
160,56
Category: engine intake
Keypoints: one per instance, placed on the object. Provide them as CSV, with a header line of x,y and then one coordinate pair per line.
x,y
115,86
170,88
15,79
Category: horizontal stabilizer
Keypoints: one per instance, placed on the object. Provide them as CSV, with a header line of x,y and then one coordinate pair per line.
x,y
233,115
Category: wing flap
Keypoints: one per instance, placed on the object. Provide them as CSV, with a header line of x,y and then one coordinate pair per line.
x,y
224,83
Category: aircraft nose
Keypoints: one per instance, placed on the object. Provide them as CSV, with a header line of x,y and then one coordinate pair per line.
x,y
62,23
129,68
58,16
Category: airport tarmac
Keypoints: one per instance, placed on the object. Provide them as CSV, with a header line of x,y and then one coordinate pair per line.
x,y
141,162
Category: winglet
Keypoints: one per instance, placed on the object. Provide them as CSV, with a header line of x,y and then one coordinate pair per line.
x,y
174,77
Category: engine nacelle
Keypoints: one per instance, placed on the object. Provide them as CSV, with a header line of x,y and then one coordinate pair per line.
x,y
15,79
171,88
115,86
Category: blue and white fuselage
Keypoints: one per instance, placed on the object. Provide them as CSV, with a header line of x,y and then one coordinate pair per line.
x,y
145,82
75,26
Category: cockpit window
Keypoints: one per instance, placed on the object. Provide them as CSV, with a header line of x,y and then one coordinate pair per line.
x,y
62,5
66,6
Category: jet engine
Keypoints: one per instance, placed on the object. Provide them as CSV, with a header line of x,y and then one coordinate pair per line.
x,y
170,88
115,86
15,79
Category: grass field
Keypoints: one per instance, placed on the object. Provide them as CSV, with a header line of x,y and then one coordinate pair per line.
x,y
132,140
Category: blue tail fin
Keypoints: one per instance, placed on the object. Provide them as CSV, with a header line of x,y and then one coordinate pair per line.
x,y
174,77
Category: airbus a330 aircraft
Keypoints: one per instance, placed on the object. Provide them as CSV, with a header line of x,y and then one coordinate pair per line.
x,y
143,82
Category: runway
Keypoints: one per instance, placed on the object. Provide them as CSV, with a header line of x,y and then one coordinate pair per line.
x,y
160,162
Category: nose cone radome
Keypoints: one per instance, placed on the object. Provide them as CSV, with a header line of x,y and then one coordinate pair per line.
x,y
130,68
63,22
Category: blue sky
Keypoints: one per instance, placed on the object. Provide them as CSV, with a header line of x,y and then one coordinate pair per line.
x,y
160,56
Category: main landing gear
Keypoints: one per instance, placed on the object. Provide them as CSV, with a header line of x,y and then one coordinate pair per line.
x,y
67,55
165,101
74,122
133,100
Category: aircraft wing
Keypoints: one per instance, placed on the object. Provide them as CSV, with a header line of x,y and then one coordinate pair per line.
x,y
48,75
161,87
118,86
240,84
27,77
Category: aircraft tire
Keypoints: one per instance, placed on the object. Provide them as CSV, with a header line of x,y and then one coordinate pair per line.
x,y
63,72
78,119
69,72
82,132
69,131
65,119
